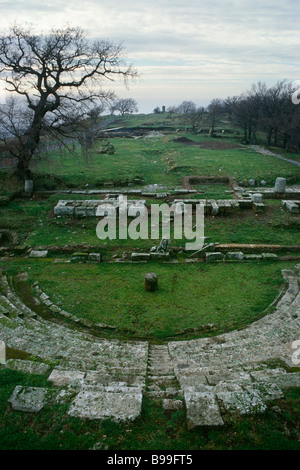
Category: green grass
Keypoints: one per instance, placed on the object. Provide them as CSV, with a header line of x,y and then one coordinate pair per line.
x,y
189,296
274,226
159,160
212,191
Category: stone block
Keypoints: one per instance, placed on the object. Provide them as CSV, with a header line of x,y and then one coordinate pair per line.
x,y
202,409
170,404
64,208
258,207
269,391
61,378
257,198
151,282
280,185
216,256
30,399
38,254
96,257
245,203
160,256
140,256
292,206
80,211
254,257
288,380
244,403
28,187
28,367
235,255
125,403
214,208
269,256
80,257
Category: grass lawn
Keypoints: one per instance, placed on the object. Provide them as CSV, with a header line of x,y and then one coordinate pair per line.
x,y
190,296
160,160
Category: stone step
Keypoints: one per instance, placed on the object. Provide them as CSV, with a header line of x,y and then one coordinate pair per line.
x,y
162,379
163,394
8,306
9,293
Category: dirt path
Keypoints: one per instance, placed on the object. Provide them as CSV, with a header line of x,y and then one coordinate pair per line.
x,y
271,154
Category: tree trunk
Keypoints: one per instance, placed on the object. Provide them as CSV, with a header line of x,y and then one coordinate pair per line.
x,y
29,145
269,137
276,137
288,143
23,171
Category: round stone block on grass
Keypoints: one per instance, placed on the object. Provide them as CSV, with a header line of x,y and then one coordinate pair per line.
x,y
151,282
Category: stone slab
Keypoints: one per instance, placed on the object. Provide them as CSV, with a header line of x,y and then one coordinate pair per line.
x,y
269,256
160,256
269,391
202,409
235,255
288,380
122,405
216,256
140,256
96,257
246,402
252,257
28,367
30,399
170,404
38,254
61,378
292,206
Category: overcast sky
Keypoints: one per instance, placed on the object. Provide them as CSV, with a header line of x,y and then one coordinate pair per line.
x,y
183,50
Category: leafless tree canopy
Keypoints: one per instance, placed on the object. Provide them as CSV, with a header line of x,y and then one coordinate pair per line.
x,y
269,110
124,105
58,76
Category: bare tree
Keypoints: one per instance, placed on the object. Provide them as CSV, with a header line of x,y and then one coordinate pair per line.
x,y
94,114
124,105
58,75
171,110
195,117
186,107
215,108
268,110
